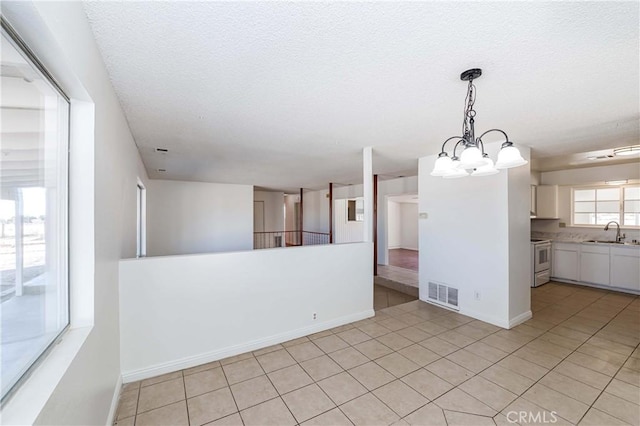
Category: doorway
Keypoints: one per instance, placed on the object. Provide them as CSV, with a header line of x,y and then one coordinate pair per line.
x,y
399,261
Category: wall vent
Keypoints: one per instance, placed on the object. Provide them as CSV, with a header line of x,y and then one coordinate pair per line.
x,y
443,295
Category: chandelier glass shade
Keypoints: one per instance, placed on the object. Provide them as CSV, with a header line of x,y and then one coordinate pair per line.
x,y
468,157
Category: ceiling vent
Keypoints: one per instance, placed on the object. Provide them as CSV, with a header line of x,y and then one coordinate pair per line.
x,y
443,295
162,150
162,170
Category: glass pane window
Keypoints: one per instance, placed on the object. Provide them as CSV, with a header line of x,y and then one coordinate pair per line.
x,y
34,305
608,194
584,195
631,206
608,206
584,218
632,219
598,206
632,193
604,218
584,206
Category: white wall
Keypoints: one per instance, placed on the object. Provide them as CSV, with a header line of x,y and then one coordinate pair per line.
x,y
60,36
273,209
316,211
399,186
181,311
409,224
402,225
519,198
345,231
475,238
565,179
394,225
198,217
589,175
290,223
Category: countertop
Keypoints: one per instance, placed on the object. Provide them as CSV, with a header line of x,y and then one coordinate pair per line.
x,y
608,243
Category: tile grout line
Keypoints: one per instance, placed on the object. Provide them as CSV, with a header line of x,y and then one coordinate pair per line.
x,y
224,373
617,371
572,352
276,389
513,353
186,400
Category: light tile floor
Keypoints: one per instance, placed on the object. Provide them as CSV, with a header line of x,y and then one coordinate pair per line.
x,y
395,273
576,362
384,297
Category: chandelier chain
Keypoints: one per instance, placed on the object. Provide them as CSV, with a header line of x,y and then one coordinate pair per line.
x,y
469,112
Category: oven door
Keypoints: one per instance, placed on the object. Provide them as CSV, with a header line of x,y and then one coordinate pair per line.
x,y
541,278
542,257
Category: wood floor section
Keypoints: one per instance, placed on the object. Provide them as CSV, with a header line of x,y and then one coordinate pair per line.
x,y
403,258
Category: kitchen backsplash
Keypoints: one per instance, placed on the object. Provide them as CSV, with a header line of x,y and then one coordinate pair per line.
x,y
552,231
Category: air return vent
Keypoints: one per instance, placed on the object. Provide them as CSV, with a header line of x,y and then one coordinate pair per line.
x,y
443,295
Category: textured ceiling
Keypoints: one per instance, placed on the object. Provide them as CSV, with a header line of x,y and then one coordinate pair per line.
x,y
285,95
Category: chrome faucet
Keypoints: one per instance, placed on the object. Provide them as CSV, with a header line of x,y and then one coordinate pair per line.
x,y
619,237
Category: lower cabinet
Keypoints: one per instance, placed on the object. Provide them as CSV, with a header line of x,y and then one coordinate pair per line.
x,y
625,268
566,261
594,264
600,264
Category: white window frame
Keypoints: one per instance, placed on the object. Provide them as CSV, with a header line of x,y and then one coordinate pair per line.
x,y
621,204
28,401
61,238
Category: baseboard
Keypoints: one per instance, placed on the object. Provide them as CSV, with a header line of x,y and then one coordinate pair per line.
x,y
507,324
519,319
192,361
486,318
114,402
604,287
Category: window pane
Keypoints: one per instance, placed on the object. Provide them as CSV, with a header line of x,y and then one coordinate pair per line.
x,y
604,218
585,207
584,219
632,219
584,195
608,207
608,194
632,206
632,193
33,191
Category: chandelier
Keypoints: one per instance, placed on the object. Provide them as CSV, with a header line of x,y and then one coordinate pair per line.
x,y
473,160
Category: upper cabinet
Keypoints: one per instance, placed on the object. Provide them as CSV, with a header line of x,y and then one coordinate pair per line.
x,y
547,201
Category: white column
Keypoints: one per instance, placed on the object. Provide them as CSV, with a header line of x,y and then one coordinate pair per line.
x,y
367,179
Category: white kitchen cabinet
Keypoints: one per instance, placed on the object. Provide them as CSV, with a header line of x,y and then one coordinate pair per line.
x,y
566,261
547,201
594,264
625,267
